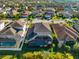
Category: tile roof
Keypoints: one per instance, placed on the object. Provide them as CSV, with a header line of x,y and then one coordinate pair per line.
x,y
8,31
59,31
63,31
42,27
21,32
11,34
17,24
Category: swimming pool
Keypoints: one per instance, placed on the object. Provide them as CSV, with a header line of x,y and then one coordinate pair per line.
x,y
7,43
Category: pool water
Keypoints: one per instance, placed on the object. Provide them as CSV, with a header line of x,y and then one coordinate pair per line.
x,y
7,43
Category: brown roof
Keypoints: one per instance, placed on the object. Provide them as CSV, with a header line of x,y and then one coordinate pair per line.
x,y
42,27
72,33
21,32
8,31
63,31
17,24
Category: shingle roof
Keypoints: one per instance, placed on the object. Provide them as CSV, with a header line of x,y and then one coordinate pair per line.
x,y
63,31
72,32
8,31
42,27
59,31
17,24
21,32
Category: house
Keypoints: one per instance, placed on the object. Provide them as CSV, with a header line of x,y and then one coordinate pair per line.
x,y
9,12
75,14
38,7
1,9
39,35
12,38
48,14
38,14
25,14
2,25
76,25
64,33
65,14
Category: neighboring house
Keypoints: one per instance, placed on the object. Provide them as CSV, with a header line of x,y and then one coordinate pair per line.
x,y
12,36
64,33
76,25
66,14
25,14
38,14
40,35
75,14
48,14
38,7
9,12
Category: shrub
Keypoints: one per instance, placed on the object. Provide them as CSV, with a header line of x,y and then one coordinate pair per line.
x,y
7,57
76,47
67,48
38,55
58,56
28,55
68,56
47,55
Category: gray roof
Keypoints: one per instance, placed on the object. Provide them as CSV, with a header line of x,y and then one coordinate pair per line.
x,y
17,24
42,28
9,31
63,32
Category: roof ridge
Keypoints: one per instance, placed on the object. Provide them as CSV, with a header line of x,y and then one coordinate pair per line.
x,y
45,25
16,23
72,32
12,30
69,35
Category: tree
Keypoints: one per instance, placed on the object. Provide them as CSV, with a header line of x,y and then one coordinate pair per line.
x,y
38,55
68,56
30,18
71,44
55,41
76,47
16,17
28,55
58,56
7,57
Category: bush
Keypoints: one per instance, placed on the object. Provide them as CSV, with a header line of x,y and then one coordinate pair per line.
x,y
47,55
68,56
67,48
7,57
76,47
28,55
39,55
58,56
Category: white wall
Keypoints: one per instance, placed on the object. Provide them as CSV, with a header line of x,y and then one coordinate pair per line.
x,y
1,26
